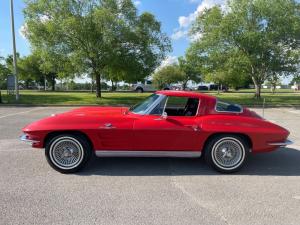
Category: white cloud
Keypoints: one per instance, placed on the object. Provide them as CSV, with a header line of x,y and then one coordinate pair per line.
x,y
23,30
179,34
137,3
168,61
183,21
186,21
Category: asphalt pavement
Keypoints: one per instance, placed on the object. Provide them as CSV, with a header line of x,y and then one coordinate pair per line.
x,y
146,190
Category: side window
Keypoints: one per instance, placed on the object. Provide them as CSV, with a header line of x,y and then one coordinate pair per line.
x,y
181,106
148,82
228,107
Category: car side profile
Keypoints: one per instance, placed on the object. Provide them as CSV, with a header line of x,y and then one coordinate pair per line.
x,y
147,86
166,124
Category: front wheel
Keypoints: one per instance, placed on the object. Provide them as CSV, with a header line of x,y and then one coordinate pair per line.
x,y
226,153
67,153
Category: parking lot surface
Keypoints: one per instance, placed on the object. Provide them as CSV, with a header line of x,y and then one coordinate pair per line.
x,y
146,190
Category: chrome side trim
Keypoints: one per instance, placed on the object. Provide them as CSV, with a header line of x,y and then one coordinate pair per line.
x,y
282,144
25,139
175,154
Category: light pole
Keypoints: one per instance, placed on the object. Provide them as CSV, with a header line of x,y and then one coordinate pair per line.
x,y
14,48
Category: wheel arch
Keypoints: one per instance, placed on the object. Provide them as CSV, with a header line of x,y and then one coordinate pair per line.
x,y
242,135
139,88
53,134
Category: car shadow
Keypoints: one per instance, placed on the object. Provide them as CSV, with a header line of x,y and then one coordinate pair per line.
x,y
283,162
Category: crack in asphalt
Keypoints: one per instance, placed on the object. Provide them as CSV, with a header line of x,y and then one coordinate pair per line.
x,y
191,197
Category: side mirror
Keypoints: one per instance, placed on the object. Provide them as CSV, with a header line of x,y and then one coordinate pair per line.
x,y
164,115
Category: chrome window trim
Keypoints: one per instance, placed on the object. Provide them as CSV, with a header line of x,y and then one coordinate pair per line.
x,y
152,106
199,101
241,107
161,98
168,154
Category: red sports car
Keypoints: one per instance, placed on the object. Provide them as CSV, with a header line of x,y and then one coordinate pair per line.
x,y
166,124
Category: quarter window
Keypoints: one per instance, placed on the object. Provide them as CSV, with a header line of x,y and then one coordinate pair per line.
x,y
222,106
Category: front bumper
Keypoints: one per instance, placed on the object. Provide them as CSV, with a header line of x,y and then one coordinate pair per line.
x,y
281,144
26,139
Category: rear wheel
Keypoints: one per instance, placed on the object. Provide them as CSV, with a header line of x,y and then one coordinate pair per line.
x,y
67,153
226,153
139,90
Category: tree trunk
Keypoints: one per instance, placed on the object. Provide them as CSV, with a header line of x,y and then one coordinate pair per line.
x,y
52,82
92,83
113,88
257,88
98,85
273,88
45,83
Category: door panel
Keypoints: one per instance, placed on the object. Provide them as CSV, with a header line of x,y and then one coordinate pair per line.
x,y
115,134
177,133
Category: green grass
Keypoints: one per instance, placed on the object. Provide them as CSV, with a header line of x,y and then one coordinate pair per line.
x,y
266,90
247,99
130,98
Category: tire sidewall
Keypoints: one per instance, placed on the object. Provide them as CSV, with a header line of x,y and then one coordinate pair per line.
x,y
209,153
139,90
84,145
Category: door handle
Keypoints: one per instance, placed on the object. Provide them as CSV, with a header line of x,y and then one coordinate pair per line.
x,y
194,127
107,126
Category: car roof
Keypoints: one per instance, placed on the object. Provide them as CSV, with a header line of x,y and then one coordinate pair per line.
x,y
190,94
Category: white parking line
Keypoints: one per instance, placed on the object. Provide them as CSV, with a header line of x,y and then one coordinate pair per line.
x,y
23,112
295,111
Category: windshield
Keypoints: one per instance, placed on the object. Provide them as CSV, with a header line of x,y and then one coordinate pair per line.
x,y
140,108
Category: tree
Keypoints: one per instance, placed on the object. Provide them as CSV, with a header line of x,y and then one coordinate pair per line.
x,y
97,35
30,71
168,75
189,68
4,72
274,80
254,31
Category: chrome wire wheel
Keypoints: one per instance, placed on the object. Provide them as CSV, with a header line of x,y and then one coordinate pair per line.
x,y
66,153
228,153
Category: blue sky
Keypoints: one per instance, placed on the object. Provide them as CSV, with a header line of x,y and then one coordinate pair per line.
x,y
166,11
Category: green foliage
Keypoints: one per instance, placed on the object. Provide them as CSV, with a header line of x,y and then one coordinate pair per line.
x,y
98,36
296,79
250,39
168,75
4,72
189,68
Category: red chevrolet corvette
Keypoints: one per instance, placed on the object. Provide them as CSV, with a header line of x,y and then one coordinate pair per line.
x,y
166,124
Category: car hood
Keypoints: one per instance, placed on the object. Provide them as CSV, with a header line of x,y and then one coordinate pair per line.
x,y
84,117
96,111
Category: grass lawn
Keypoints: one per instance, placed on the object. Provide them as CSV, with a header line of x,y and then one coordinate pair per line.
x,y
130,98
